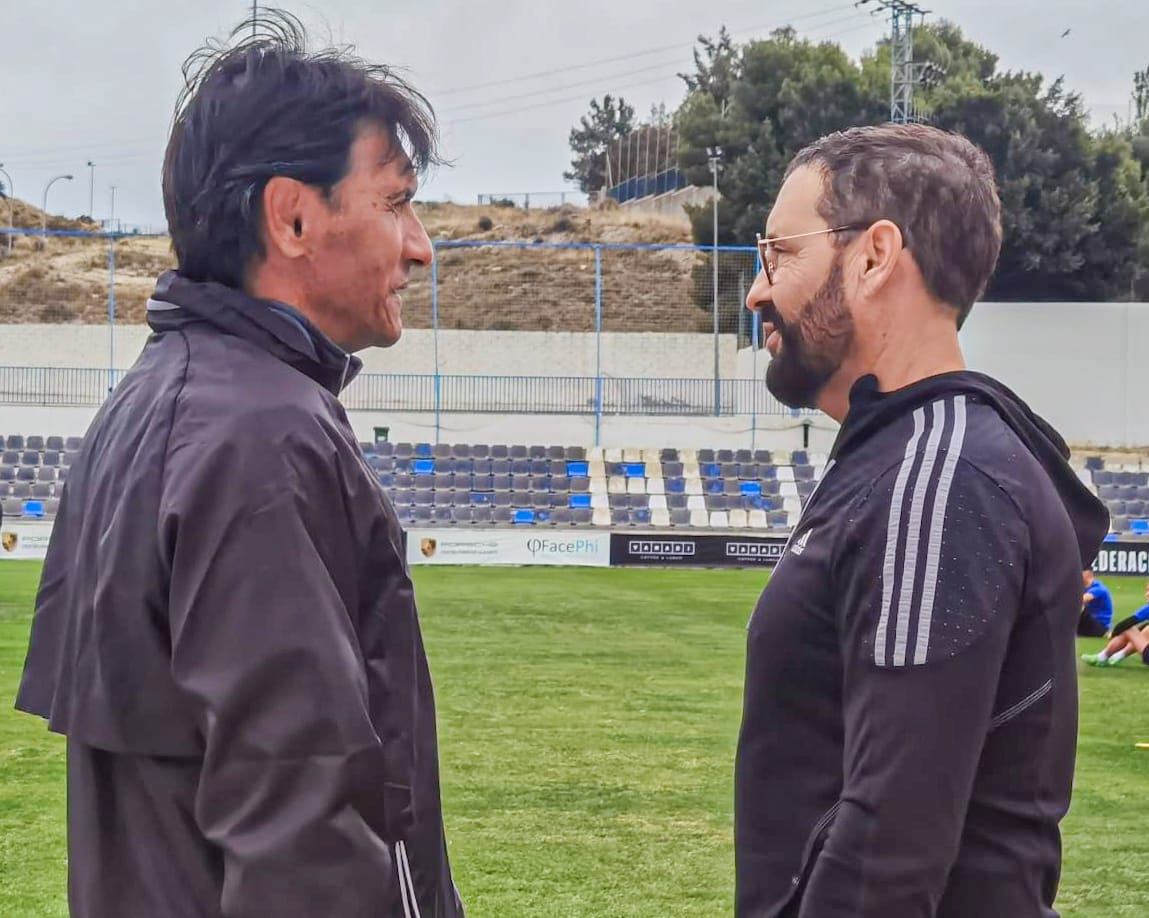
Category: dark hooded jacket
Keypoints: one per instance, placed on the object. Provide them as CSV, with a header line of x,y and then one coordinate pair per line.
x,y
910,716
226,633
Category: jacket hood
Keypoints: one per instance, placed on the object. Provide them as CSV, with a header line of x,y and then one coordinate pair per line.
x,y
871,409
275,327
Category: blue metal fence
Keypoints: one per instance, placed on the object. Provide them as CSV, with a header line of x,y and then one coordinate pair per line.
x,y
427,393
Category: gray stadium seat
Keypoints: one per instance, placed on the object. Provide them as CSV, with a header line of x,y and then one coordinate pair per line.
x,y
7,473
803,473
800,457
778,519
423,514
724,455
557,453
1119,524
41,490
541,500
444,514
671,469
35,442
732,488
481,513
537,452
461,450
559,500
580,485
560,483
69,457
28,457
705,455
10,457
14,441
561,516
404,450
45,473
749,471
717,502
501,467
620,517
424,498
443,481
1135,508
501,482
1115,507
763,456
404,480
729,469
441,451
483,483
403,497
806,487
518,451
74,444
26,473
503,499
576,453
480,451
679,517
52,506
461,515
424,482
503,515
500,451
13,507
22,489
481,466
56,444
581,516
676,501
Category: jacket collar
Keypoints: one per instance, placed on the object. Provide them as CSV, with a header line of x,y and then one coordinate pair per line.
x,y
277,328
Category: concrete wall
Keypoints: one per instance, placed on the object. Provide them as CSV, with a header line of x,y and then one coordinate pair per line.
x,y
645,354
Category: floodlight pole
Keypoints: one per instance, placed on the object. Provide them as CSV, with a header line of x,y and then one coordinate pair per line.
x,y
714,156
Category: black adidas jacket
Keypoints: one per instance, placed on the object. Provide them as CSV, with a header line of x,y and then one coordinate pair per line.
x,y
910,719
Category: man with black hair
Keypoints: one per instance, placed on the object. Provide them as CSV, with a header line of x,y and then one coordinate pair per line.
x,y
226,629
909,727
1096,606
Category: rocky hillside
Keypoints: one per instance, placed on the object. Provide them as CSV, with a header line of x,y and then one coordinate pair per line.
x,y
64,279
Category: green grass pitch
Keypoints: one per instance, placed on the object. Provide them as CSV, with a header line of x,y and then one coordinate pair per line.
x,y
588,721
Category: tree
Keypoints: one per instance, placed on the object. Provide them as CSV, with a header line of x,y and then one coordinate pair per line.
x,y
1075,203
606,122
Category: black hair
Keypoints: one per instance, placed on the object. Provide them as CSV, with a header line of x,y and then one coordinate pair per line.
x,y
266,106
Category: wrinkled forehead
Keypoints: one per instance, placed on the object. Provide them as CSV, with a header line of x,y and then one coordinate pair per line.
x,y
795,209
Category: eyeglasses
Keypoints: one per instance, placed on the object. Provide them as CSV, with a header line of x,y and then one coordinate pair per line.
x,y
765,243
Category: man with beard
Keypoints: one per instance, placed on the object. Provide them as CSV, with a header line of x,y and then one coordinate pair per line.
x,y
909,725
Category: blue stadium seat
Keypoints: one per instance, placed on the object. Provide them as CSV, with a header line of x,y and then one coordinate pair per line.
x,y
640,517
524,518
1139,527
423,466
34,509
423,451
543,516
478,497
675,485
635,470
579,501
711,470
1094,463
715,486
578,469
751,487
800,457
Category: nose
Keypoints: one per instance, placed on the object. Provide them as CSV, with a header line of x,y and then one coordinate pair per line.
x,y
416,243
761,293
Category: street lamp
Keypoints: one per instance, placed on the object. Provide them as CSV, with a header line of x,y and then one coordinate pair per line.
x,y
11,207
44,208
92,191
714,155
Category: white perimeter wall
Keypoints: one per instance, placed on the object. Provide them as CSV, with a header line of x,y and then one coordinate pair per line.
x,y
1083,366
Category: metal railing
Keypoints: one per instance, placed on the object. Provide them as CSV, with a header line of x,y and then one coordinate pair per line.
x,y
430,393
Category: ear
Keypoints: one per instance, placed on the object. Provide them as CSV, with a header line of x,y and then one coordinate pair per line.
x,y
882,247
286,208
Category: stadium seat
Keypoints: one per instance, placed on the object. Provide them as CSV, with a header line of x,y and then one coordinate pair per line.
x,y
56,444
724,456
540,467
30,458
763,457
518,451
45,473
461,515
601,517
482,514
502,515
636,486
441,451
524,517
13,507
715,486
480,451
1139,527
423,451
660,518
705,455
658,502
423,466
576,453
751,487
404,450
520,466
710,470
26,473
756,519
738,519
461,451
34,443
669,455
7,473
699,519
1135,508
74,444
386,448
778,519
679,517
500,451
675,486
443,515
696,502
640,517
731,487
717,502
541,500
15,442
33,509
616,485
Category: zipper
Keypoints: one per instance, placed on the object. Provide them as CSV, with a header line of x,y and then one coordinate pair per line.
x,y
1027,702
816,833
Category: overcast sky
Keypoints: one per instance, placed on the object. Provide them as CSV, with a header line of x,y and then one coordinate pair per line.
x,y
96,79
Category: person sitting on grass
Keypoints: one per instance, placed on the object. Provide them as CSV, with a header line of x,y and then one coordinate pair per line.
x,y
1096,607
1130,636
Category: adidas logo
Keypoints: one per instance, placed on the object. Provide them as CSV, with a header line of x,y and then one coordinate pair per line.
x,y
803,540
